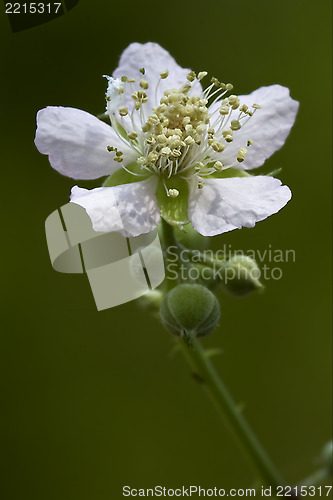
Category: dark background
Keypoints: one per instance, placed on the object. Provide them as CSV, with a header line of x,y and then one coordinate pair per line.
x,y
92,401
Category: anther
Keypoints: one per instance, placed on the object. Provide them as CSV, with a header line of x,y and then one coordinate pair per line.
x,y
142,71
218,166
132,136
256,106
200,185
191,76
234,101
235,125
250,142
173,193
164,74
202,75
123,111
229,86
241,154
166,151
224,110
144,84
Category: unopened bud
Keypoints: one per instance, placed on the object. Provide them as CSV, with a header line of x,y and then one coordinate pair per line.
x,y
190,311
241,275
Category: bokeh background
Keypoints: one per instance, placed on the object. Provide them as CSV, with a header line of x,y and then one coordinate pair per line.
x,y
92,401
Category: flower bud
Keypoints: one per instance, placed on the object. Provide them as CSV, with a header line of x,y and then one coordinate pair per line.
x,y
190,311
241,275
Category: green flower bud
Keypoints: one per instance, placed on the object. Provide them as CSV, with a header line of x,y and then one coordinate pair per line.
x,y
241,275
190,311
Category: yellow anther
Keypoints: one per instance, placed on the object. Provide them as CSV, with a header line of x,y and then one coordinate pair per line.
x,y
218,166
229,138
201,128
146,127
250,142
152,157
131,80
123,111
176,153
218,147
229,86
132,136
200,185
224,110
161,109
186,88
142,71
144,84
243,108
164,74
161,138
235,125
241,154
151,141
119,153
124,78
202,75
188,127
234,101
173,193
227,132
256,106
166,151
142,160
215,81
189,141
211,131
198,166
191,76
119,159
186,120
121,90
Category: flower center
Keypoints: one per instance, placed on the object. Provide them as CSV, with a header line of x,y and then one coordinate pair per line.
x,y
180,136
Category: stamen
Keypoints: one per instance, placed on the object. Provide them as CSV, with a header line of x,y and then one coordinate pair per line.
x,y
173,193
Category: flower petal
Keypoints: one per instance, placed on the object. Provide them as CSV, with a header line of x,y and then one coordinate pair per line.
x,y
226,204
130,209
154,59
268,127
76,143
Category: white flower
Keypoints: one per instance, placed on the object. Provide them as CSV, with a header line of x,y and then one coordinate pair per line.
x,y
172,150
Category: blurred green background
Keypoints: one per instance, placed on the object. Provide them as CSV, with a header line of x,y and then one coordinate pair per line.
x,y
92,401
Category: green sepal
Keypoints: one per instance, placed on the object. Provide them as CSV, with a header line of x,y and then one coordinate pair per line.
x,y
229,172
122,177
173,210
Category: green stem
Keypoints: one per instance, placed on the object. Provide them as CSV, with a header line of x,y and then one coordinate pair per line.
x,y
228,410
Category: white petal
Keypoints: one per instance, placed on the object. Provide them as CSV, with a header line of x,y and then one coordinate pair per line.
x,y
155,60
130,209
76,143
226,204
268,128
